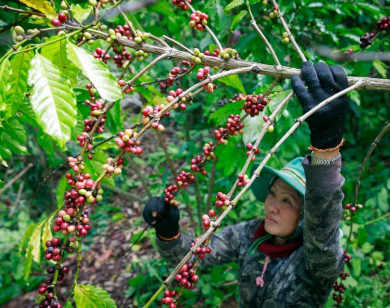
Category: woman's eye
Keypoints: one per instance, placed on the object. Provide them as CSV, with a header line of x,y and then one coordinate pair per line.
x,y
287,201
272,193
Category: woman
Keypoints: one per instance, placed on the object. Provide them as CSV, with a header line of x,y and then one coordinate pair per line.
x,y
293,256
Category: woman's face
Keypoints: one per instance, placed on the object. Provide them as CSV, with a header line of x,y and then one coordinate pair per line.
x,y
282,209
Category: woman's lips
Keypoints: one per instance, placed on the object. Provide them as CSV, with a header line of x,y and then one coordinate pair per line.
x,y
270,220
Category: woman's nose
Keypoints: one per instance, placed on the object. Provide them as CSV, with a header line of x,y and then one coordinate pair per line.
x,y
273,207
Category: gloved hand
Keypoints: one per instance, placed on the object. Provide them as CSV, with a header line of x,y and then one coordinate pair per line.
x,y
326,124
162,216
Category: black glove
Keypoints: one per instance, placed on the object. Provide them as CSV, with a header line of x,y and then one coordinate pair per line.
x,y
162,216
326,124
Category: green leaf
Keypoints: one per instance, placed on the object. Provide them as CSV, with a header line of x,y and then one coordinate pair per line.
x,y
252,128
233,4
5,71
33,250
95,166
20,65
222,113
1,182
42,6
61,187
96,71
380,67
277,98
356,266
56,53
46,143
79,13
13,136
233,81
26,236
52,99
68,305
89,296
237,18
46,230
383,201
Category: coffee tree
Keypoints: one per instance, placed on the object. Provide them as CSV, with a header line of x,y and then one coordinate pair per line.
x,y
219,70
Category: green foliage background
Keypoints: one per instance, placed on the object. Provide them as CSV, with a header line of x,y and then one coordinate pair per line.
x,y
26,139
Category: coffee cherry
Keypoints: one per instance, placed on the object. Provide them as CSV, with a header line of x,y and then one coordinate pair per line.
x,y
61,17
181,4
55,22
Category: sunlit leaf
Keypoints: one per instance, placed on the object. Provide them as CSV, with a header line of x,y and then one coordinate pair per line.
x,y
43,6
89,296
52,99
233,81
5,71
96,71
79,13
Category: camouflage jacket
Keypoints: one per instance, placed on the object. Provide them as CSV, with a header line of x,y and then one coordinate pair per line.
x,y
303,279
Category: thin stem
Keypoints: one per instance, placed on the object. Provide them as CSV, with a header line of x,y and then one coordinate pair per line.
x,y
377,219
152,299
9,8
17,177
207,28
357,184
178,44
157,39
76,275
211,184
198,197
291,37
14,23
255,26
129,23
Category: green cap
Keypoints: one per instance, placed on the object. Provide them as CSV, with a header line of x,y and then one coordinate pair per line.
x,y
292,173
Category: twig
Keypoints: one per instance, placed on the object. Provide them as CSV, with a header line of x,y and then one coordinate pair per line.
x,y
259,68
377,219
14,23
207,28
255,26
211,184
357,184
177,43
198,202
9,8
17,177
291,37
169,159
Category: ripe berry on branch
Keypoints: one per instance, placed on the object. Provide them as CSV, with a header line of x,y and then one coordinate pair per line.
x,y
250,148
222,200
367,39
383,24
181,4
254,104
198,20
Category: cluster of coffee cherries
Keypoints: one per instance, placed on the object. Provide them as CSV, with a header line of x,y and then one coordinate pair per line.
x,y
124,31
203,73
112,167
126,142
198,20
141,37
254,104
367,39
350,210
383,24
206,219
46,297
141,55
201,251
197,56
233,127
197,165
222,200
149,112
339,288
173,94
228,53
169,298
53,250
96,108
181,4
174,74
274,13
209,87
215,53
61,18
187,276
170,193
242,180
184,179
128,88
249,148
101,54
122,56
208,150
76,163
